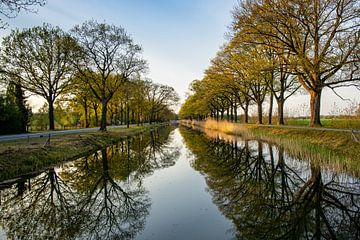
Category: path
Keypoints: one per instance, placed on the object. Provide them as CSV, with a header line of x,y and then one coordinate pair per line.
x,y
52,133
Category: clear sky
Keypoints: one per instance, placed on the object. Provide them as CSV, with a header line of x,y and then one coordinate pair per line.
x,y
179,37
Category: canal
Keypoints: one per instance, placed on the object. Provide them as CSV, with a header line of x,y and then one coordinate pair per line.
x,y
177,183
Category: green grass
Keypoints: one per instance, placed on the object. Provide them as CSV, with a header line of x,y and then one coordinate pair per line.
x,y
20,157
345,123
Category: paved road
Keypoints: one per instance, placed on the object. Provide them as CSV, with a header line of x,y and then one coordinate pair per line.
x,y
52,133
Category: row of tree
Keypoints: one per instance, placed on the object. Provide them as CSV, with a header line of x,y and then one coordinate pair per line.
x,y
93,66
275,49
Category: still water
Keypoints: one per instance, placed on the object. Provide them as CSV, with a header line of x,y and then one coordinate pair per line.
x,y
182,184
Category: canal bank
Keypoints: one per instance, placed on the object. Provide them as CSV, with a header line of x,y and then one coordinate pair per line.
x,y
183,184
25,156
332,147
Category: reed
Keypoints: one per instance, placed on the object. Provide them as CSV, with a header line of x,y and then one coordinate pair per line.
x,y
334,149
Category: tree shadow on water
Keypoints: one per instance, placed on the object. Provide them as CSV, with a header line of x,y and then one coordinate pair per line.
x,y
270,195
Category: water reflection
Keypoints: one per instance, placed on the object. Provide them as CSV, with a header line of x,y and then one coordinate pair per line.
x,y
100,196
270,195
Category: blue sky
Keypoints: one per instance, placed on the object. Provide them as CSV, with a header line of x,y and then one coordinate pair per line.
x,y
179,37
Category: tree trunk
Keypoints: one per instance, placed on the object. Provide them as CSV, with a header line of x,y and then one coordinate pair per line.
x,y
103,115
235,110
127,115
138,118
315,98
151,117
132,116
246,113
96,115
271,108
121,115
86,114
51,115
260,112
280,105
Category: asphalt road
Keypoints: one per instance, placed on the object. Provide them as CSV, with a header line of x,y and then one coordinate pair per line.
x,y
52,133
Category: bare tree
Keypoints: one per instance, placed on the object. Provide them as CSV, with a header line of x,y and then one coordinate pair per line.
x,y
41,57
11,8
109,59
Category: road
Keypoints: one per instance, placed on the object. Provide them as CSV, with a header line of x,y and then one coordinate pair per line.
x,y
52,133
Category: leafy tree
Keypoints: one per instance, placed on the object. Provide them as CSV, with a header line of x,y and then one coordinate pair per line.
x,y
14,111
160,97
82,100
41,58
39,120
320,35
109,59
16,93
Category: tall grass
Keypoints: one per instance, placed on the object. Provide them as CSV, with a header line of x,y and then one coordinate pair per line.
x,y
334,149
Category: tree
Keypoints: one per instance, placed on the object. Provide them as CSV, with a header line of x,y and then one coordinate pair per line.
x,y
322,36
11,8
109,59
82,100
16,93
251,68
41,58
160,97
9,115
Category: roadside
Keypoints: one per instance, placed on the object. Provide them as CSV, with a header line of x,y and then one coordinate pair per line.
x,y
334,146
29,136
20,156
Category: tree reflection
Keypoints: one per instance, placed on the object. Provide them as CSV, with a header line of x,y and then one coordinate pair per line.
x,y
119,206
270,195
96,197
41,212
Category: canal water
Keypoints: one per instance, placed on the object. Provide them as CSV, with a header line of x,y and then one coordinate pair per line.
x,y
183,184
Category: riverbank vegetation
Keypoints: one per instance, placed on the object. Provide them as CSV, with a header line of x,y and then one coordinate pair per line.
x,y
275,50
24,156
330,147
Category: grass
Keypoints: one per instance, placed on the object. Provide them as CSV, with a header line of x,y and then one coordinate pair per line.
x,y
334,149
20,156
344,123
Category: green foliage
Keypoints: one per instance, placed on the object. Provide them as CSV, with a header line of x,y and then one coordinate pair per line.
x,y
41,59
94,71
14,112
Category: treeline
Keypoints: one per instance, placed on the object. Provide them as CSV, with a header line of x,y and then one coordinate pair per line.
x,y
92,75
275,49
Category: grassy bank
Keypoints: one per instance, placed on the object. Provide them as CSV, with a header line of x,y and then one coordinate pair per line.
x,y
337,149
20,156
343,123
